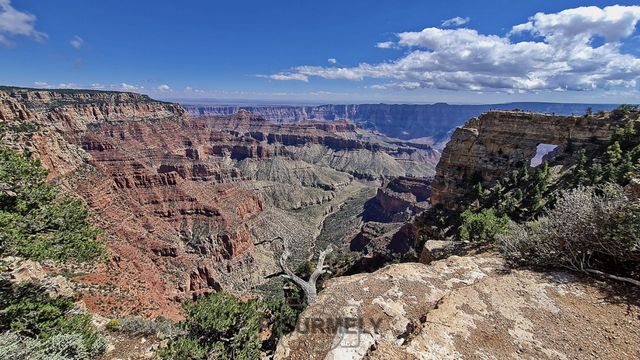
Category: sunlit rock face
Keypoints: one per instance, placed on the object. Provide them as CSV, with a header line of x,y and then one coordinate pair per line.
x,y
194,205
488,147
462,308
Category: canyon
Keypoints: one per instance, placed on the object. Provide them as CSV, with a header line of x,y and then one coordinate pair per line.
x,y
431,124
478,304
191,205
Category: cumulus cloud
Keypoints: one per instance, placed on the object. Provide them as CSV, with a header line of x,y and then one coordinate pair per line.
x,y
41,84
127,87
613,23
76,42
558,54
68,86
287,77
332,61
163,88
16,23
385,45
456,21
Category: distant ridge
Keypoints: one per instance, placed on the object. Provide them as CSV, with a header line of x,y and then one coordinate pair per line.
x,y
405,121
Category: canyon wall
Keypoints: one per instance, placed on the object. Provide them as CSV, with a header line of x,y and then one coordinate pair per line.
x,y
194,205
404,121
496,143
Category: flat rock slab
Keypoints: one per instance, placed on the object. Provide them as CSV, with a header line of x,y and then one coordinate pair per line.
x,y
464,308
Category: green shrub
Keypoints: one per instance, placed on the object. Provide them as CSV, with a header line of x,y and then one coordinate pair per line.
x,y
482,226
281,316
184,348
64,346
17,347
218,326
587,228
28,311
160,327
69,346
36,221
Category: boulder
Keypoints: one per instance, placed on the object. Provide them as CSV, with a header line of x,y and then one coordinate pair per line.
x,y
436,250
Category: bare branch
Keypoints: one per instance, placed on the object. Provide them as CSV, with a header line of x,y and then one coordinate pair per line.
x,y
613,277
320,267
309,287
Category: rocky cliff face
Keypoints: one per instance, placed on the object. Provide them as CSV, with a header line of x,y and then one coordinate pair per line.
x,y
404,195
404,121
491,146
463,308
37,119
190,205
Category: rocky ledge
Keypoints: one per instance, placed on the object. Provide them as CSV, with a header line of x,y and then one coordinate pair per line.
x,y
492,145
464,308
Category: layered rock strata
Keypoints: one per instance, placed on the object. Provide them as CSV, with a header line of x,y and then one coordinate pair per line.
x,y
431,123
487,148
191,206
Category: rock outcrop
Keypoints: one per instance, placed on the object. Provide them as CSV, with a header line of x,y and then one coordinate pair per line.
x,y
403,197
491,146
463,308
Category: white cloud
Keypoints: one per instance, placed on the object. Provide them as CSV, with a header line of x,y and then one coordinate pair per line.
x,y
68,86
385,45
127,87
559,55
41,84
456,21
163,88
613,23
320,93
286,77
76,42
332,61
191,89
14,22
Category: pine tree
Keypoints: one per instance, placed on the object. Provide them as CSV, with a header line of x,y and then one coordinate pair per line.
x,y
625,170
524,174
542,176
537,199
519,195
580,175
478,191
612,158
613,154
625,136
514,177
595,175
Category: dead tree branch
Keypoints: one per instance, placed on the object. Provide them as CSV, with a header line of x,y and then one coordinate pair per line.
x,y
309,287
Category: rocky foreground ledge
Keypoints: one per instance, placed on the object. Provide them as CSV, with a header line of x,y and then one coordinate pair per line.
x,y
464,307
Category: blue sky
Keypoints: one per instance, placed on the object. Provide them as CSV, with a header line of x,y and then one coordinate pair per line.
x,y
294,51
